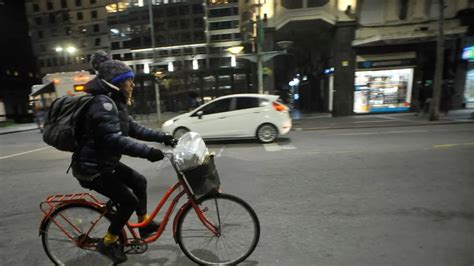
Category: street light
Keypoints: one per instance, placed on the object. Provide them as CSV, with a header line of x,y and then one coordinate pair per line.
x,y
259,58
68,50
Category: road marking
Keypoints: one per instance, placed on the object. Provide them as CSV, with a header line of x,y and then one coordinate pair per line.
x,y
443,146
219,154
379,133
21,153
272,147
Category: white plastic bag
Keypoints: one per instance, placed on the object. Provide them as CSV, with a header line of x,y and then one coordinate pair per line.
x,y
190,151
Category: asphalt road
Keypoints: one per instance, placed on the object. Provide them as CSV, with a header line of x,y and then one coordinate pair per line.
x,y
378,196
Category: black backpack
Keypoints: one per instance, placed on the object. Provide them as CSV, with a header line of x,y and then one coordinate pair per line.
x,y
60,128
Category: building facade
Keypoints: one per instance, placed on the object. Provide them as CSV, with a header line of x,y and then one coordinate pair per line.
x,y
17,70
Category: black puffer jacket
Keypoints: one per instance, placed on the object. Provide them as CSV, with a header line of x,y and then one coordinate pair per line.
x,y
105,130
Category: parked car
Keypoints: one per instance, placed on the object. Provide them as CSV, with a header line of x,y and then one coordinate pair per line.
x,y
259,116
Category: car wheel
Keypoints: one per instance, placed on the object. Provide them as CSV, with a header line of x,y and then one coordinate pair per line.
x,y
179,132
267,133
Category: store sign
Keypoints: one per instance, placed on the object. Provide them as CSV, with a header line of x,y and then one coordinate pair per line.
x,y
386,63
468,53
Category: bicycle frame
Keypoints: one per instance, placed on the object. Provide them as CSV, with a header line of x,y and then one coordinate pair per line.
x,y
55,201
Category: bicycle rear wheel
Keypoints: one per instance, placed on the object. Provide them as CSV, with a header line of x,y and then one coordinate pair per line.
x,y
77,220
239,231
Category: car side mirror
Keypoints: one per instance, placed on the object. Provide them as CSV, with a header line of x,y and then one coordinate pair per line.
x,y
199,114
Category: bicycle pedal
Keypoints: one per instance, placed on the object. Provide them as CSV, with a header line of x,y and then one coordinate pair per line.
x,y
136,246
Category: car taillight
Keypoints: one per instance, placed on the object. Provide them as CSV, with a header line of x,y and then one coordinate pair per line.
x,y
279,107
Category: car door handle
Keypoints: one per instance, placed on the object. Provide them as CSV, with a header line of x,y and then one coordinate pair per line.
x,y
256,112
222,117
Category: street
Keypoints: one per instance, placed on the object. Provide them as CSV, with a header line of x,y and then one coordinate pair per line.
x,y
368,196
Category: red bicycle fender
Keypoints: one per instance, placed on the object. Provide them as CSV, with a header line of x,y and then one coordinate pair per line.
x,y
177,216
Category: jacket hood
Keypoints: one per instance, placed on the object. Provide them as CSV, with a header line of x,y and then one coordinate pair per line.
x,y
99,86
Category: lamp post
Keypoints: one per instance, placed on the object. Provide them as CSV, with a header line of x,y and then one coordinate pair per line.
x,y
259,58
152,33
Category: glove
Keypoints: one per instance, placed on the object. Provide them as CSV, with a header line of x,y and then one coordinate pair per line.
x,y
155,155
168,140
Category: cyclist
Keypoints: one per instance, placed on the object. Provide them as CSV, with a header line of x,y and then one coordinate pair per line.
x,y
105,133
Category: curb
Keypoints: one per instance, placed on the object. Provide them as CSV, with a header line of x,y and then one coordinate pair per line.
x,y
18,130
378,126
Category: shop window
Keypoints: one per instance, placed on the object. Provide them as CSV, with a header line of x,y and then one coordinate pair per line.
x,y
79,16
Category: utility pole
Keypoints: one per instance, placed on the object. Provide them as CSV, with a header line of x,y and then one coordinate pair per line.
x,y
157,86
438,75
259,43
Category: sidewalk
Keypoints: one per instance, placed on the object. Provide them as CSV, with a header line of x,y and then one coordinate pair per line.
x,y
314,121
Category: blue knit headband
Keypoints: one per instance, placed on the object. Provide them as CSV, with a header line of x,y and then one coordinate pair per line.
x,y
123,77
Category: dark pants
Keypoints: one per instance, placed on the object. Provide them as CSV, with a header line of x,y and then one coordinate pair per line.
x,y
127,188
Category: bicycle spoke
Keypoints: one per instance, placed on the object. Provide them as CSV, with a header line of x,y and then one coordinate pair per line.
x,y
238,226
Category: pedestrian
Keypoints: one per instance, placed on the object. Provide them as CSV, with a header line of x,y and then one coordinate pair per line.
x,y
193,101
428,96
420,98
106,132
446,96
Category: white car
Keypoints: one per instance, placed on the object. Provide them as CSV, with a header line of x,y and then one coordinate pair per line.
x,y
259,116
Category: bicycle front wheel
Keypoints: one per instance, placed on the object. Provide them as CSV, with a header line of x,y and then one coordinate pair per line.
x,y
71,233
237,223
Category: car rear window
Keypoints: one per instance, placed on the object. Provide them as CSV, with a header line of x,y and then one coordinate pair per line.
x,y
250,102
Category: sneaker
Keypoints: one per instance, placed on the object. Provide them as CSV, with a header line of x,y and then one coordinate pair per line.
x,y
113,251
149,229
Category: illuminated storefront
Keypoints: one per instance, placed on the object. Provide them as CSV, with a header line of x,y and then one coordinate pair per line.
x,y
387,90
468,54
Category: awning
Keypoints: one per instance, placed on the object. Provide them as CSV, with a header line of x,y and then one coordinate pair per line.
x,y
407,37
40,89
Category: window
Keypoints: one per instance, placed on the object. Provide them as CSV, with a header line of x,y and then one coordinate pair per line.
x,y
317,3
63,3
115,45
97,41
40,34
198,8
290,4
164,53
96,27
248,102
68,31
116,57
65,16
78,2
42,48
49,5
79,16
36,8
94,13
52,18
38,21
217,107
403,9
93,2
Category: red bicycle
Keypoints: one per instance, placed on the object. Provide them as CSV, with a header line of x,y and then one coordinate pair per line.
x,y
214,229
